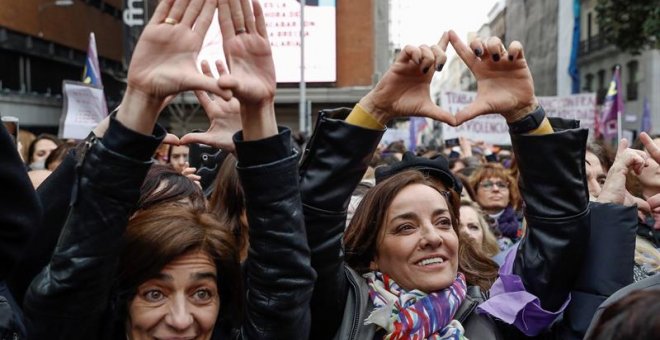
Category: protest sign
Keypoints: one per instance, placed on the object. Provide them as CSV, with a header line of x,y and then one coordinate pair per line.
x,y
84,107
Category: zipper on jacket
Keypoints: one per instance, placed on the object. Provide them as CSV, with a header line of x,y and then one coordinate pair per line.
x,y
356,316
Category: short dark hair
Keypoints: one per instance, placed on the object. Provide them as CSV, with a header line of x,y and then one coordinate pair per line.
x,y
632,317
155,237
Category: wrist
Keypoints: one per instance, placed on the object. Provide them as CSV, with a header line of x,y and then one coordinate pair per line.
x,y
522,112
138,111
370,105
258,120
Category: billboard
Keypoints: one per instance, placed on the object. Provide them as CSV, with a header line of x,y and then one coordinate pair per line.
x,y
283,24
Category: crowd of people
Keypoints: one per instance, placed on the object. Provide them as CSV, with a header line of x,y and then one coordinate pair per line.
x,y
340,238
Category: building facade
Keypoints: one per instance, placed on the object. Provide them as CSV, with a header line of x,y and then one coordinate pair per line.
x,y
43,43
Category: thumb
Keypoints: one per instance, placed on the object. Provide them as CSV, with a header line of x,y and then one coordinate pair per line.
x,y
623,145
171,139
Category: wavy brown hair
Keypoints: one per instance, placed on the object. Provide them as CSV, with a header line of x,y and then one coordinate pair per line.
x,y
361,236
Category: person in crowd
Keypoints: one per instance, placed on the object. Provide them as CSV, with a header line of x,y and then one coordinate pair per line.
x,y
39,150
57,156
597,162
21,212
474,225
181,290
408,219
177,156
467,193
227,202
633,317
497,194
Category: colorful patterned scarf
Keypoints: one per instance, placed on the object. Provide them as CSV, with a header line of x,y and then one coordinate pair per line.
x,y
415,314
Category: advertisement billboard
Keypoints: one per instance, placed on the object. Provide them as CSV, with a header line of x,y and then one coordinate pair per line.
x,y
283,24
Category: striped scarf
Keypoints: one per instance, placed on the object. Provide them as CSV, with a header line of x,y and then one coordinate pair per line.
x,y
415,314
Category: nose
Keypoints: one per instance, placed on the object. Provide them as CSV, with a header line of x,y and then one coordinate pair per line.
x,y
430,236
180,317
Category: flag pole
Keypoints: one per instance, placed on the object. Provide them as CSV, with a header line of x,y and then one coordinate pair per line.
x,y
619,110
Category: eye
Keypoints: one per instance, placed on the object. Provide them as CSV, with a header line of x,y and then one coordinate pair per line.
x,y
203,295
443,222
473,226
404,228
153,295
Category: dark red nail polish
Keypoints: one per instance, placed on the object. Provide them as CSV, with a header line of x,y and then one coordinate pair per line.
x,y
510,58
439,68
478,52
426,69
496,57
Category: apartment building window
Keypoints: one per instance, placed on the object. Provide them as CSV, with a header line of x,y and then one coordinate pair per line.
x,y
588,82
633,80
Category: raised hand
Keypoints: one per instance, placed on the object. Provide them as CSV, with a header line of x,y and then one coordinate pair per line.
x,y
404,89
614,188
163,63
224,116
504,83
250,61
249,56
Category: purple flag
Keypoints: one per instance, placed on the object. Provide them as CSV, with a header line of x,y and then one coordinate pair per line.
x,y
646,117
613,106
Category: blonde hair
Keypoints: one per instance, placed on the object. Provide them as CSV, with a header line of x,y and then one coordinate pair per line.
x,y
489,243
647,255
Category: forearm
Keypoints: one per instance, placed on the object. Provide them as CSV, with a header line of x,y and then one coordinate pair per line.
x,y
75,285
280,277
556,209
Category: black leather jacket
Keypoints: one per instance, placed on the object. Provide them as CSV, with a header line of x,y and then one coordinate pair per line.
x,y
552,182
70,298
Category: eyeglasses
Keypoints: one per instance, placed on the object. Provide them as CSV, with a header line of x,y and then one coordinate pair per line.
x,y
488,185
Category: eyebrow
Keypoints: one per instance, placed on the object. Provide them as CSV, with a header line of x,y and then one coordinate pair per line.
x,y
410,215
203,276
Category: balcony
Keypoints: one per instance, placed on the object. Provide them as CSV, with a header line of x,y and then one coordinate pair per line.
x,y
592,44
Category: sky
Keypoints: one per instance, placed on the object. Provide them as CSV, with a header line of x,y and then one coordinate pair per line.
x,y
423,21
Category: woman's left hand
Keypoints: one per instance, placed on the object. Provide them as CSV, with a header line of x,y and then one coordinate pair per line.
x,y
504,82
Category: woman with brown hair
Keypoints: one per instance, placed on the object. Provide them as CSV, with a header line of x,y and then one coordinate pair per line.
x,y
184,286
497,194
406,271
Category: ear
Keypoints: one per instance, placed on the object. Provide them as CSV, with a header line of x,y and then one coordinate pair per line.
x,y
373,265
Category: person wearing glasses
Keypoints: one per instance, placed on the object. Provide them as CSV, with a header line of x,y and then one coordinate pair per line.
x,y
497,194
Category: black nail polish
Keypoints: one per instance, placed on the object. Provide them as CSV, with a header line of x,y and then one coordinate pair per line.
x,y
496,57
426,69
439,67
510,57
478,52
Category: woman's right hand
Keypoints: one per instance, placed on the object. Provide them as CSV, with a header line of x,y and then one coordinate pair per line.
x,y
163,62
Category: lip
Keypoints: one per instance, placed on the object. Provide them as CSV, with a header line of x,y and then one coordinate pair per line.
x,y
176,337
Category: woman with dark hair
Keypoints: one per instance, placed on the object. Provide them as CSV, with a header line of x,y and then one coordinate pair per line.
x,y
163,184
407,272
228,203
39,150
76,296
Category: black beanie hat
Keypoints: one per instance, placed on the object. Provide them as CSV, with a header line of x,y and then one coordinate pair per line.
x,y
437,167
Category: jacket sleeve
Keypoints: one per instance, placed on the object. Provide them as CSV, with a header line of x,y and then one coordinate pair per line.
x,y
537,277
334,162
607,267
280,277
55,196
68,298
21,210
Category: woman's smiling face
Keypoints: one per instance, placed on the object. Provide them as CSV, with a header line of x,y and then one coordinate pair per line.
x,y
417,245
